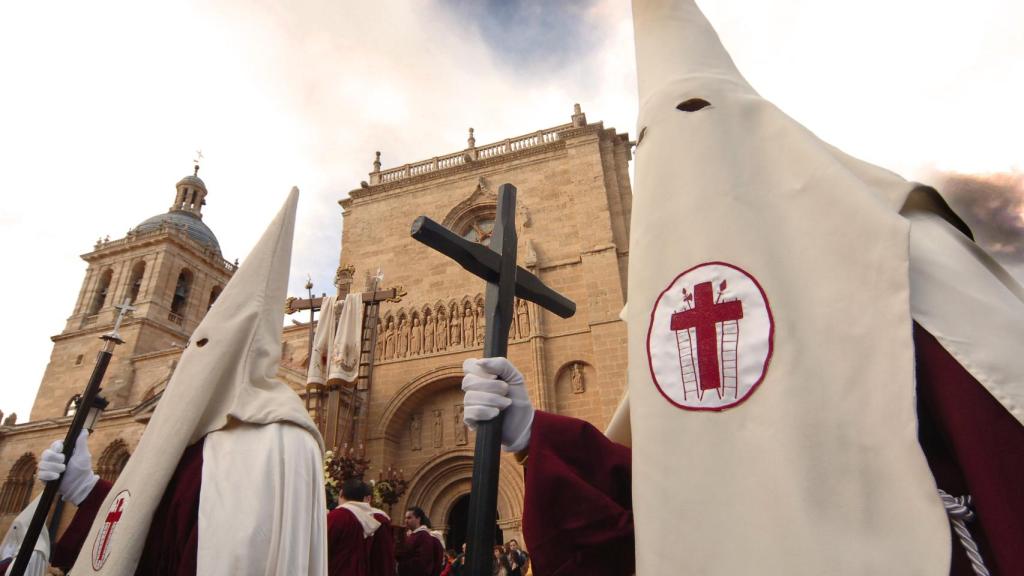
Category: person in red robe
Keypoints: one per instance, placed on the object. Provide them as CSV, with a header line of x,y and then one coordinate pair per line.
x,y
350,531
382,547
578,515
196,495
422,554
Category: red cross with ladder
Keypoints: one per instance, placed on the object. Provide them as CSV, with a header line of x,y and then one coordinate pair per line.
x,y
112,519
705,315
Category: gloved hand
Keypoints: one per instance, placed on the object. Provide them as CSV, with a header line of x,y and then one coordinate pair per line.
x,y
79,479
491,386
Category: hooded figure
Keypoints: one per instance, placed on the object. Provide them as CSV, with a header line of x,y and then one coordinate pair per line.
x,y
227,478
773,409
12,542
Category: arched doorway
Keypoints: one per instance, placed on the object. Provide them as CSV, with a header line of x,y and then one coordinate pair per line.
x,y
457,520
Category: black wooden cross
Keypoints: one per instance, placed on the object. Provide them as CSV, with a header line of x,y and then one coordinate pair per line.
x,y
496,265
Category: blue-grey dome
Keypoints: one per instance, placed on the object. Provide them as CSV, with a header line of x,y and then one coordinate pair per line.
x,y
179,218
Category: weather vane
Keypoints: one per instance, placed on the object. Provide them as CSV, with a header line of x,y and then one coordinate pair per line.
x,y
199,156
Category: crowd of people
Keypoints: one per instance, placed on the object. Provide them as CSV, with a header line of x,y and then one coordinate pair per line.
x,y
509,560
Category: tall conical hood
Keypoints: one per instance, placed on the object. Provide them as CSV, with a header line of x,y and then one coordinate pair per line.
x,y
226,377
771,366
674,41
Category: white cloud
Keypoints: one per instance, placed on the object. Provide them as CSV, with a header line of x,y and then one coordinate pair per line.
x,y
104,104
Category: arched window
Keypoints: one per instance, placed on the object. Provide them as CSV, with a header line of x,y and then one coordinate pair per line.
x,y
135,281
100,297
112,460
72,406
214,294
181,291
17,488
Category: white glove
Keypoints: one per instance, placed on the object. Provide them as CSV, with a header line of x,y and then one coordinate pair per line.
x,y
79,479
492,385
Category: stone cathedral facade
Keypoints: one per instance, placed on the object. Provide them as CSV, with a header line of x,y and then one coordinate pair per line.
x,y
574,203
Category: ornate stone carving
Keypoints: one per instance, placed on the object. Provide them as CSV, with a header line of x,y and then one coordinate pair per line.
x,y
481,324
455,327
416,432
468,326
428,333
415,337
460,426
441,334
523,318
389,339
576,377
438,428
11,420
403,338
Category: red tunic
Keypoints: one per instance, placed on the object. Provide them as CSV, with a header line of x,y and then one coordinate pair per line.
x,y
421,555
348,550
577,517
173,539
382,549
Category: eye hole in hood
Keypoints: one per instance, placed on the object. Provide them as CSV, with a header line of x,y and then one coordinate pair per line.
x,y
202,342
693,104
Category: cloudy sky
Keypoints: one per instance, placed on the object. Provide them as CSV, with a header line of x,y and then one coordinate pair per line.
x,y
104,103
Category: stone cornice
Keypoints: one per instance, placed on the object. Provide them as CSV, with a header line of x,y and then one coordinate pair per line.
x,y
564,135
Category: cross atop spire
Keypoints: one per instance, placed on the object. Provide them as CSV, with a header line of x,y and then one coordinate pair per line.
x,y
195,162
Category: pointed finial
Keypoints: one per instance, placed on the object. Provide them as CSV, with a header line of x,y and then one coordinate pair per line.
x,y
579,119
376,162
471,140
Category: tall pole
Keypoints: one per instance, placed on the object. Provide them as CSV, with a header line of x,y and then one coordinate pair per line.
x,y
110,340
496,265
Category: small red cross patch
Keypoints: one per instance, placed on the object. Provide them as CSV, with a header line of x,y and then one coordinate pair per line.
x,y
710,337
105,536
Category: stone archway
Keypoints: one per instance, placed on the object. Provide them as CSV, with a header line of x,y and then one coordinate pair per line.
x,y
440,487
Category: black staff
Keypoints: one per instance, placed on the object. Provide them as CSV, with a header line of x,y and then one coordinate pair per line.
x,y
111,339
497,266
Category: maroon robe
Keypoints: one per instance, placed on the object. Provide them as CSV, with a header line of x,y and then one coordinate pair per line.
x,y
173,539
422,555
578,519
382,548
348,550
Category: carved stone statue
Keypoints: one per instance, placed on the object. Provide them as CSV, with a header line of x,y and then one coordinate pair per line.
x,y
428,334
389,340
378,349
416,431
441,334
415,338
438,428
481,324
460,425
523,318
11,420
513,326
403,338
455,326
468,332
576,377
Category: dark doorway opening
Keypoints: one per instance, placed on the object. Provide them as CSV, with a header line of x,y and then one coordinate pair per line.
x,y
457,520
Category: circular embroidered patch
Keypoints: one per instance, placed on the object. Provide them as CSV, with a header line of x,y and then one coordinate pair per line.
x,y
710,337
105,536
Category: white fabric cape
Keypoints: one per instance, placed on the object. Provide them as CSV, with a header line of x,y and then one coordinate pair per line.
x,y
40,559
364,515
323,342
226,382
348,341
818,470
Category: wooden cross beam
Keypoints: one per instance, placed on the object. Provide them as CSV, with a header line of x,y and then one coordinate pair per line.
x,y
505,280
293,305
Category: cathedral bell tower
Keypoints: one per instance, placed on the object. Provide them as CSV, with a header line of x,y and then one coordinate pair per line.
x,y
171,269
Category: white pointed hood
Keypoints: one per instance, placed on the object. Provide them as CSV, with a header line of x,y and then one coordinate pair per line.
x,y
769,264
16,534
227,373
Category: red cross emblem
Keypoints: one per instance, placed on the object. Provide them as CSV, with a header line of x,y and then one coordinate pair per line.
x,y
101,547
711,329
